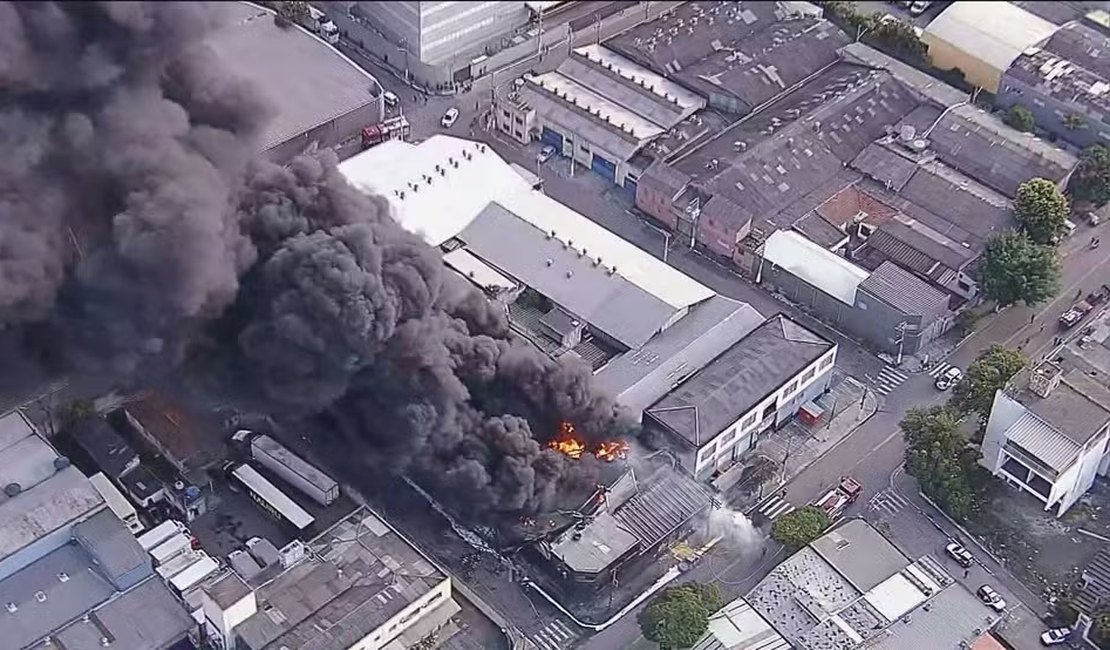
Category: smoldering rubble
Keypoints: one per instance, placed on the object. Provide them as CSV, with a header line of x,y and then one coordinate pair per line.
x,y
135,215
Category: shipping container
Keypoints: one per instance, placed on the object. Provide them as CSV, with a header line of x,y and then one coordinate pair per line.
x,y
199,570
178,564
273,500
117,503
294,470
171,548
160,533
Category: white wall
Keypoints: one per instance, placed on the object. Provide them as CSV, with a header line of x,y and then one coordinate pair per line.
x,y
396,626
1004,413
745,429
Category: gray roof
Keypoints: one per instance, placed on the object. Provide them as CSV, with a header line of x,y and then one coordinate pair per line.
x,y
28,462
670,500
608,302
1043,442
1065,69
621,91
147,617
107,448
308,82
767,63
359,574
860,554
880,163
738,380
954,618
904,291
817,229
13,428
663,178
34,619
227,590
141,483
113,548
919,248
638,378
1078,408
599,544
45,508
966,205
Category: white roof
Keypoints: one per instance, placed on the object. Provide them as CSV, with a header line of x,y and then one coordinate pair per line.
x,y
993,32
819,267
895,596
477,271
442,209
629,69
737,625
601,107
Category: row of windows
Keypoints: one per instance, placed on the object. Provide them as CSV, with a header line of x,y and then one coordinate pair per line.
x,y
768,410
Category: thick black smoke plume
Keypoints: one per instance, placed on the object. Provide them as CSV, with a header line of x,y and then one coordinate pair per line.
x,y
133,212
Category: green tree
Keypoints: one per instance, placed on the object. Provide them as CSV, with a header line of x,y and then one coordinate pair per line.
x,y
1041,209
895,37
797,528
1091,181
985,376
1020,118
679,616
941,460
291,11
1015,269
75,411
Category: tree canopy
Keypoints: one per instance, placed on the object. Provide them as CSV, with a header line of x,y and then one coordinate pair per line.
x,y
1016,269
1041,209
678,616
939,456
1091,181
1020,118
797,528
984,377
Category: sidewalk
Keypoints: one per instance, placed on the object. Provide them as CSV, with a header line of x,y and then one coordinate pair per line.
x,y
796,446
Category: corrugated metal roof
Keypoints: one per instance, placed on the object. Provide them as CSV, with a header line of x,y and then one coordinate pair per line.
x,y
903,290
995,33
1043,441
667,503
819,267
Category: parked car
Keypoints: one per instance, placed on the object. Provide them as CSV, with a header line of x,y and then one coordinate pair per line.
x,y
449,118
1056,636
390,98
950,378
961,555
546,153
919,7
991,598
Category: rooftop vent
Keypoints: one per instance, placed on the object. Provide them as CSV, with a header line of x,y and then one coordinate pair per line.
x,y
63,576
907,133
11,607
60,463
40,596
12,489
1045,378
549,261
570,274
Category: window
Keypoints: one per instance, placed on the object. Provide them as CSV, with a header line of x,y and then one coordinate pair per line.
x,y
769,410
519,120
748,421
727,438
789,390
707,453
963,285
505,112
809,375
826,362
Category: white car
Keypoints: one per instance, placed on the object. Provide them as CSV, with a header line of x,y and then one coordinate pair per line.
x,y
960,554
950,378
991,598
449,118
546,153
1056,636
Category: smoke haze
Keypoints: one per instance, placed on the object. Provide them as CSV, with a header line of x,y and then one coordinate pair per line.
x,y
135,213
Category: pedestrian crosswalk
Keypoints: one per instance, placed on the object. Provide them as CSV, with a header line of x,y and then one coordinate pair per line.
x,y
939,369
887,501
889,379
774,507
555,635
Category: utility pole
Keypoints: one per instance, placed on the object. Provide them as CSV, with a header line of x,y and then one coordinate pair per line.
x,y
666,244
901,331
693,212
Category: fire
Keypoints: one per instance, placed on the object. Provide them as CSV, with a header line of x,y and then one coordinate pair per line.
x,y
569,444
612,450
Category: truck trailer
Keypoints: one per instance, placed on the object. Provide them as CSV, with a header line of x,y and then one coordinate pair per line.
x,y
291,468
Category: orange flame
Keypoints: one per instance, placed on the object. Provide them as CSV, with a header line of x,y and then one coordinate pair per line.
x,y
612,450
569,444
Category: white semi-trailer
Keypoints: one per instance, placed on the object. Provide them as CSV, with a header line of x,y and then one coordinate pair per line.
x,y
291,468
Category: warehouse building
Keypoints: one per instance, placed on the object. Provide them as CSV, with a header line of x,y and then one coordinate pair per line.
x,y
318,96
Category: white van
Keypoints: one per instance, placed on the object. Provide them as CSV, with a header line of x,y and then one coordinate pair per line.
x,y
391,99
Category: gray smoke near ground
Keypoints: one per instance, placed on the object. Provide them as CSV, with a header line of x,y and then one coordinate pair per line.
x,y
134,213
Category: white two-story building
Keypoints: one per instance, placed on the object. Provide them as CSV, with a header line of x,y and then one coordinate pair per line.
x,y
715,416
1048,431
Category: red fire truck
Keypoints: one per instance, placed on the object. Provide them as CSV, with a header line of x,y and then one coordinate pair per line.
x,y
394,128
840,497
